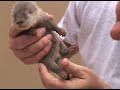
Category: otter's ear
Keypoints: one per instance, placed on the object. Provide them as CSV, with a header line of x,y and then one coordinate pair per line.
x,y
31,10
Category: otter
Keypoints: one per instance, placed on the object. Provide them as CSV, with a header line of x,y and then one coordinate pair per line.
x,y
28,16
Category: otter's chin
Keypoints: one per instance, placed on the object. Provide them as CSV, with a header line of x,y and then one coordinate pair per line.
x,y
23,26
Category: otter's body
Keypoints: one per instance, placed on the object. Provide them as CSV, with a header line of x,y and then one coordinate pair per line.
x,y
28,17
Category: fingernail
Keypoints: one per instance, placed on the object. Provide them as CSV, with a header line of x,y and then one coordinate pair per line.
x,y
41,31
49,36
65,61
50,44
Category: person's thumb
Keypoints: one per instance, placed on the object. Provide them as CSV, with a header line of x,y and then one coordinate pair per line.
x,y
74,69
51,17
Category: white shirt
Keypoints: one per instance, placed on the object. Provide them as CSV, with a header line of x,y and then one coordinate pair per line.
x,y
88,24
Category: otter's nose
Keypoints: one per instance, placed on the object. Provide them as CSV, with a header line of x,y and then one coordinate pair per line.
x,y
19,22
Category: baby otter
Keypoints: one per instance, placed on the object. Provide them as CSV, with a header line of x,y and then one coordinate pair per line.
x,y
28,17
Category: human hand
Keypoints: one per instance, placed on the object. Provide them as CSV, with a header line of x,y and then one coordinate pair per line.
x,y
83,78
30,49
115,32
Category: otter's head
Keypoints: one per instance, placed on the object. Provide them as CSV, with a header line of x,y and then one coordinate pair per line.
x,y
24,14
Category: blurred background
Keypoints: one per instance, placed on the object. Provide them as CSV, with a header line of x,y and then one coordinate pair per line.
x,y
13,73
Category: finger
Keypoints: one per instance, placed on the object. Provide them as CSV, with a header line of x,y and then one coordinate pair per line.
x,y
51,17
14,31
72,68
35,48
51,82
45,74
25,40
48,79
74,83
37,57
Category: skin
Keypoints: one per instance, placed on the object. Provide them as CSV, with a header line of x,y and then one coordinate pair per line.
x,y
115,32
83,77
30,49
27,51
27,16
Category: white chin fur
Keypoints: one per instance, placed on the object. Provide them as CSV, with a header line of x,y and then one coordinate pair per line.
x,y
32,21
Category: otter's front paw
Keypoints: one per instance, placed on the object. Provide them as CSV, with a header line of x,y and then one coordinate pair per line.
x,y
62,32
73,49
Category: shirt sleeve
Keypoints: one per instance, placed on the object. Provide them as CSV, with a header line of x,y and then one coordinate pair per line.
x,y
70,24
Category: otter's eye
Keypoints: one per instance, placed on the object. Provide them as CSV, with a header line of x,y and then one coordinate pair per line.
x,y
30,11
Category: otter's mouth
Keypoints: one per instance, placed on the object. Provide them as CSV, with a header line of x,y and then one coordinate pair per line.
x,y
29,31
23,26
